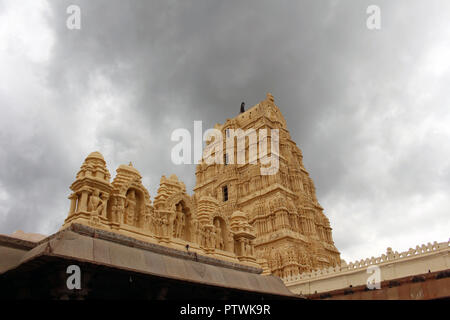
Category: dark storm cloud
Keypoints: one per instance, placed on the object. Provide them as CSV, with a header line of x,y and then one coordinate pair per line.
x,y
137,70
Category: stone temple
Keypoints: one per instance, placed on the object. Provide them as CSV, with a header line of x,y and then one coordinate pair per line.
x,y
240,234
236,214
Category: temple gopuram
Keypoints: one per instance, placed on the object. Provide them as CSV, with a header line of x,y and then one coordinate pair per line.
x,y
292,234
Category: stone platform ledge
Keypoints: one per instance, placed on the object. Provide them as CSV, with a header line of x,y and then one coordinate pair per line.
x,y
86,245
135,243
13,242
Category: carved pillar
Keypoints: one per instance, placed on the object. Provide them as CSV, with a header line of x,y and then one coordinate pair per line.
x,y
105,205
230,241
242,248
285,219
82,206
73,203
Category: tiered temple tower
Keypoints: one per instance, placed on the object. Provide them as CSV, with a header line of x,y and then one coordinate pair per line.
x,y
245,209
293,235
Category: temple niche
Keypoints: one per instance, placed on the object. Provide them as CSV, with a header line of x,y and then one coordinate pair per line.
x,y
173,213
244,235
97,203
181,222
221,233
131,206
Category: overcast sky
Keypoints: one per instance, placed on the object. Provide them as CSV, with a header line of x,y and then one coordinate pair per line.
x,y
368,108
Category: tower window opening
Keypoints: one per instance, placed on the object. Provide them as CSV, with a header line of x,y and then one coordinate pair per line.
x,y
225,193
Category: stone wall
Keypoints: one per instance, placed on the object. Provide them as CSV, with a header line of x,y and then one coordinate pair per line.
x,y
392,265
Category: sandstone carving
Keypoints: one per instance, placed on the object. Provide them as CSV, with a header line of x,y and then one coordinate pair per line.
x,y
282,208
236,213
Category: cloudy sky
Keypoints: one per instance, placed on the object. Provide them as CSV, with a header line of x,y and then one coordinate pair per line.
x,y
369,108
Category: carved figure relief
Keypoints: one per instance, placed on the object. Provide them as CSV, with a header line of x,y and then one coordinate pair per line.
x,y
96,203
130,208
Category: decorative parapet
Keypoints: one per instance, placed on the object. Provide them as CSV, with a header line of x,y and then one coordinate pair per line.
x,y
362,264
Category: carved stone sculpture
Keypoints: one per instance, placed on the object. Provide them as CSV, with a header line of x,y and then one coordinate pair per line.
x,y
130,208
